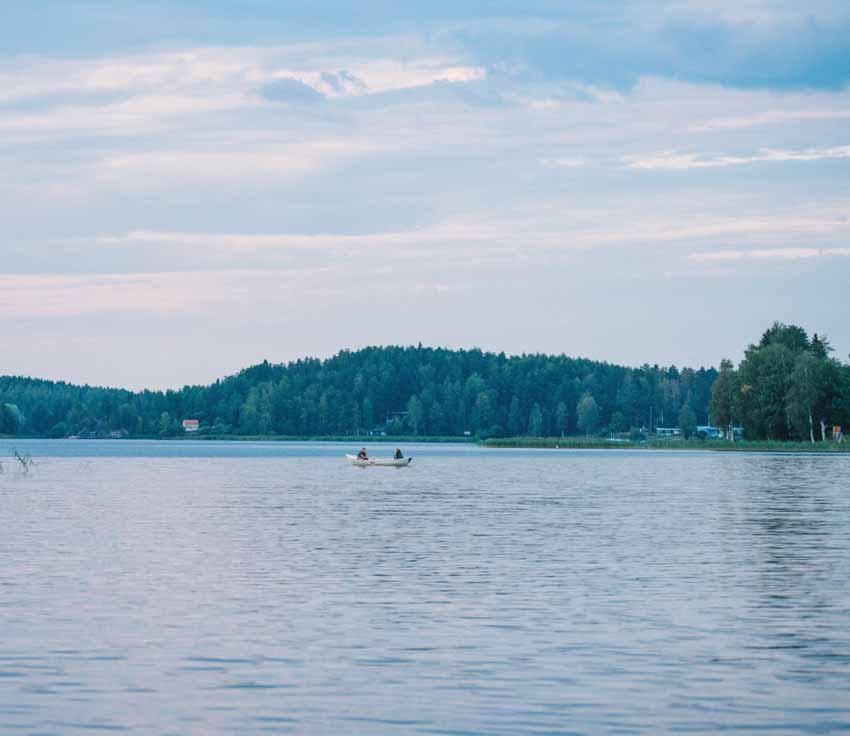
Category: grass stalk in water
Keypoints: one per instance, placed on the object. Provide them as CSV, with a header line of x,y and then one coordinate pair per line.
x,y
26,461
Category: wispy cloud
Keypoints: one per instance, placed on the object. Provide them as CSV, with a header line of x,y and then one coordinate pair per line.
x,y
141,114
291,90
233,163
447,232
671,160
533,229
564,162
770,117
131,95
780,254
153,293
335,69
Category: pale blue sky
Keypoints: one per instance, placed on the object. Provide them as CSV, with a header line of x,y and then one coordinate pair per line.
x,y
190,187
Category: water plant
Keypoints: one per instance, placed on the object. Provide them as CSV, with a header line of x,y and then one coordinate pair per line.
x,y
25,461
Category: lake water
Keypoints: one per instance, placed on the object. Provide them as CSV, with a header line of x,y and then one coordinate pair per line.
x,y
242,588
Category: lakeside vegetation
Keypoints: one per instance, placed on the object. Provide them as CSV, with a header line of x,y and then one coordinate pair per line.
x,y
787,388
600,443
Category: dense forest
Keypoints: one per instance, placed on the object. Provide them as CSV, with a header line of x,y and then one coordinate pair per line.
x,y
788,386
411,391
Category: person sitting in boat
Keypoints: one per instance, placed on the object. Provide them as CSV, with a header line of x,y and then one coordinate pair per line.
x,y
362,455
398,455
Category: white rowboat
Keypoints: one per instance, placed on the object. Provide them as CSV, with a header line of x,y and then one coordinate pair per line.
x,y
379,462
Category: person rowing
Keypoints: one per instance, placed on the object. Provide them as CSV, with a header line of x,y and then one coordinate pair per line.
x,y
362,455
398,455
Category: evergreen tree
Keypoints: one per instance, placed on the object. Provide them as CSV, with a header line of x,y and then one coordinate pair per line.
x,y
687,421
561,418
535,421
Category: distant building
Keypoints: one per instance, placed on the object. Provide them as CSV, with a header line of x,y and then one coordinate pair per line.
x,y
667,431
716,433
394,422
191,425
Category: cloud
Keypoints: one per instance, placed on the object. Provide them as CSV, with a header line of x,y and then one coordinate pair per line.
x,y
161,293
503,145
132,94
671,160
564,162
334,82
129,117
291,90
781,254
770,117
363,66
343,82
447,232
262,161
615,45
768,44
60,295
538,229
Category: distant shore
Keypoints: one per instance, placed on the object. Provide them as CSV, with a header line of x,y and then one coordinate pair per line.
x,y
351,439
591,443
543,443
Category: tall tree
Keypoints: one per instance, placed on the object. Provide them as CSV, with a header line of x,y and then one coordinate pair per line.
x,y
515,423
725,398
804,393
765,375
561,418
414,413
535,421
687,421
11,419
587,414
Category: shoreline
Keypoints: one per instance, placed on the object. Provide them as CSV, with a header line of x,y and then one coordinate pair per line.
x,y
520,443
577,443
350,439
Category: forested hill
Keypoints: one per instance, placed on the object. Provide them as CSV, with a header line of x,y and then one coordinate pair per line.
x,y
413,390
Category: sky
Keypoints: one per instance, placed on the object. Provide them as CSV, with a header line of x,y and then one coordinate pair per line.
x,y
190,187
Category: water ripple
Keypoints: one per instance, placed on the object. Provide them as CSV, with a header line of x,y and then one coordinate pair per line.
x,y
255,588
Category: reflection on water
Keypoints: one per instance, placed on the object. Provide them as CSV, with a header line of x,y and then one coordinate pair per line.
x,y
200,588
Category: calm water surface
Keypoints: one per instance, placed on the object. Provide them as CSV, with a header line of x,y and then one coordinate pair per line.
x,y
203,588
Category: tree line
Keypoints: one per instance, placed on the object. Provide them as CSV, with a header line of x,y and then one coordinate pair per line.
x,y
397,390
787,387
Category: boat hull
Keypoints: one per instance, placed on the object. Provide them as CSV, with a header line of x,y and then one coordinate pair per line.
x,y
379,462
